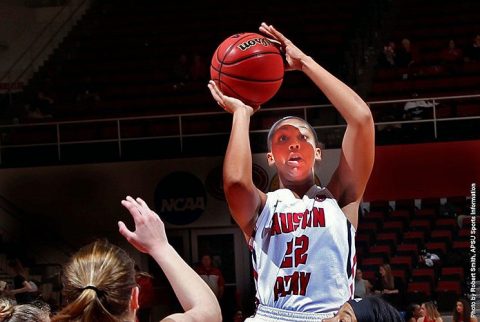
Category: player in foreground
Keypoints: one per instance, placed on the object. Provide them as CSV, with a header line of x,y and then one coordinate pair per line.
x,y
99,281
302,236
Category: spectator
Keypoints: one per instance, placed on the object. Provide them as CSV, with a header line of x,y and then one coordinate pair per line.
x,y
211,275
414,312
407,55
37,312
387,281
452,53
473,51
23,290
463,312
418,109
429,313
386,286
388,57
362,287
146,296
41,106
452,58
238,316
428,259
34,289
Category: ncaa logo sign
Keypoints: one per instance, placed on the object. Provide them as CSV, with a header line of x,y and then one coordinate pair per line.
x,y
180,198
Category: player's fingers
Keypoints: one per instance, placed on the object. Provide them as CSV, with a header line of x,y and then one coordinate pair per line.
x,y
133,201
217,90
124,231
275,42
216,93
143,204
265,30
278,34
130,237
132,208
212,87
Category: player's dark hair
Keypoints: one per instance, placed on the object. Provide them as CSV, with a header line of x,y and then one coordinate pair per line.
x,y
277,124
374,309
466,311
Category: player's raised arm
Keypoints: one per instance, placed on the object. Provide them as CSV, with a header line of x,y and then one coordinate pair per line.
x,y
358,146
244,199
196,298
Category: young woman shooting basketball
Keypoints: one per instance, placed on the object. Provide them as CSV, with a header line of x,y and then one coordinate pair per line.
x,y
302,236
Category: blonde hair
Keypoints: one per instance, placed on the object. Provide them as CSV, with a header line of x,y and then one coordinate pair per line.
x,y
23,312
388,280
431,309
98,283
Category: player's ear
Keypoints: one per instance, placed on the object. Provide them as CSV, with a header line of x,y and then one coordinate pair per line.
x,y
270,159
318,154
134,304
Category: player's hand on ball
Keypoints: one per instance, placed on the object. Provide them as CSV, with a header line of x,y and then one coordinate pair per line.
x,y
293,55
229,104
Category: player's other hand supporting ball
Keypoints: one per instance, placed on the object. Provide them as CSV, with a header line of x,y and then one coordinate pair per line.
x,y
229,104
293,55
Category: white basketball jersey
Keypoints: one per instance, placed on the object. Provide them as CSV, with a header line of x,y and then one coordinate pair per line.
x,y
303,252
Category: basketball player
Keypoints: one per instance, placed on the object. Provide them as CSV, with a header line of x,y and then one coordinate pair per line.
x,y
368,309
302,235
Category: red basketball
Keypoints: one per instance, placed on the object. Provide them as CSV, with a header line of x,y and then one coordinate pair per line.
x,y
249,67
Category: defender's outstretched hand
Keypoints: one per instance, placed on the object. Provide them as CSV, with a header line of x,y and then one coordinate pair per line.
x,y
149,228
195,296
293,55
229,104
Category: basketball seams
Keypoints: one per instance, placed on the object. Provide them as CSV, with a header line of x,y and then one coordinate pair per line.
x,y
243,99
229,49
252,55
227,52
248,79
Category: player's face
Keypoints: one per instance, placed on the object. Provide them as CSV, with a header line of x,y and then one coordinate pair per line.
x,y
382,271
460,307
345,314
359,275
206,261
423,310
417,312
294,150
